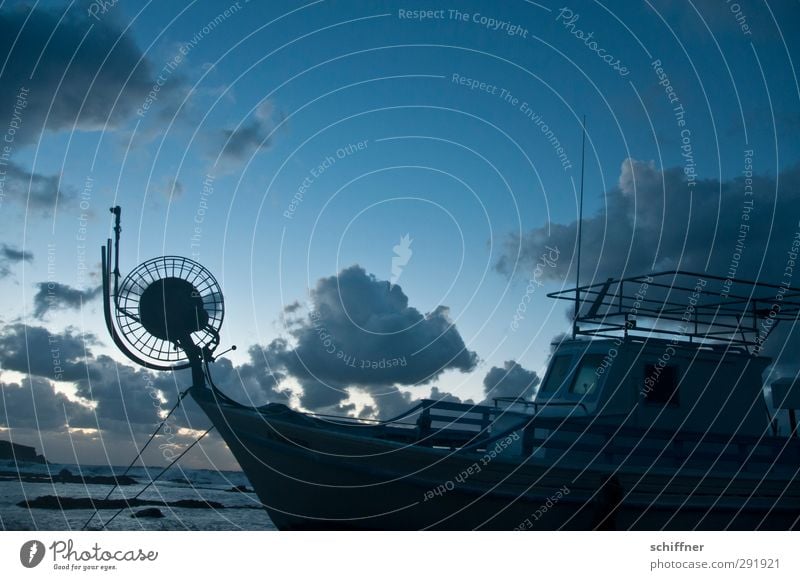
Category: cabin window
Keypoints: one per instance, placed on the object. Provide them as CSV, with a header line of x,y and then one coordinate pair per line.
x,y
585,381
661,384
559,371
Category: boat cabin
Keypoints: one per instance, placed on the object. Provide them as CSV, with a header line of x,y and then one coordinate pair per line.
x,y
668,352
657,383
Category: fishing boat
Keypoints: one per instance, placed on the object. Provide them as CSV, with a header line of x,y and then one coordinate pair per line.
x,y
652,415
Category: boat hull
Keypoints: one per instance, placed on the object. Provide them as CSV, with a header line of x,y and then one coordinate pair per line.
x,y
310,475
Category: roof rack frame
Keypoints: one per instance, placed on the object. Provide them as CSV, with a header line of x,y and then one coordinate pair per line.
x,y
706,306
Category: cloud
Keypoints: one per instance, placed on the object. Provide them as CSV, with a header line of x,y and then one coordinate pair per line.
x,y
124,397
512,380
69,73
9,256
170,188
243,141
121,394
654,221
258,381
438,395
34,403
36,350
34,190
293,307
15,255
57,296
361,332
381,343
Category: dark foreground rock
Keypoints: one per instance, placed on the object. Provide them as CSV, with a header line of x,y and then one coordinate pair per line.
x,y
152,512
53,502
240,489
66,476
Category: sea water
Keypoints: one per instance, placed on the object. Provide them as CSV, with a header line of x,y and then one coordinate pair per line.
x,y
242,511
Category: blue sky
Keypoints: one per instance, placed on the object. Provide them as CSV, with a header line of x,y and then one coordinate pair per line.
x,y
449,114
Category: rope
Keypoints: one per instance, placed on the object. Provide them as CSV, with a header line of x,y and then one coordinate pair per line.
x,y
138,455
163,471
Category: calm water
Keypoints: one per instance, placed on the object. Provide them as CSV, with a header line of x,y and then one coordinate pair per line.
x,y
242,510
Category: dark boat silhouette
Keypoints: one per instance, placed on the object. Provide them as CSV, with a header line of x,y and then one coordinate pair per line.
x,y
653,416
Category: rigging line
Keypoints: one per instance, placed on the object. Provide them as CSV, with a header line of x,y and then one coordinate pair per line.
x,y
580,235
138,455
162,472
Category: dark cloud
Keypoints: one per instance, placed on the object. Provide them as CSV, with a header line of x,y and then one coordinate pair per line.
x,y
73,72
256,382
359,334
438,395
654,221
34,403
34,190
35,350
391,401
243,141
10,256
369,321
512,380
362,333
56,296
15,255
292,308
126,397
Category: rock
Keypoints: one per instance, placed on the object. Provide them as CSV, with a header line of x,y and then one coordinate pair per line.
x,y
82,503
196,503
240,489
152,512
66,476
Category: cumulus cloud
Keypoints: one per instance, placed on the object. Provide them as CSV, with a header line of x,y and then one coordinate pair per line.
x,y
56,296
512,380
37,351
34,404
361,332
258,381
123,397
73,72
358,333
654,221
439,395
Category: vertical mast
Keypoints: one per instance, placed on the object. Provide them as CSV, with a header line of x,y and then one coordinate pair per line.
x,y
580,234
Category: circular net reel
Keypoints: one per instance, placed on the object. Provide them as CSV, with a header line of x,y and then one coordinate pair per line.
x,y
166,304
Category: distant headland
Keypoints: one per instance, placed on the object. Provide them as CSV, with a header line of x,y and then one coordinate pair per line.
x,y
16,452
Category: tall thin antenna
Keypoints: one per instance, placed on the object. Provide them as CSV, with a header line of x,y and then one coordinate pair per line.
x,y
580,235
